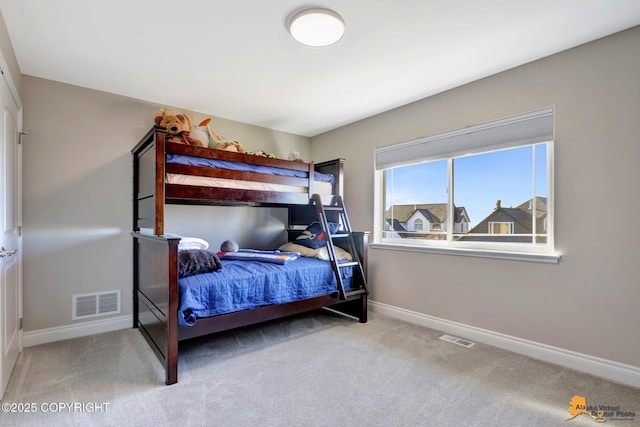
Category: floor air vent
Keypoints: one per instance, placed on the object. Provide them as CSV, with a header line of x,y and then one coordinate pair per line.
x,y
458,341
95,304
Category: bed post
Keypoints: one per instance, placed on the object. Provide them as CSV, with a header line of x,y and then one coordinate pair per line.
x,y
172,317
156,299
136,283
361,240
158,228
310,176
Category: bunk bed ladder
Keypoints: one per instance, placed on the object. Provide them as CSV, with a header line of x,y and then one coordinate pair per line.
x,y
345,232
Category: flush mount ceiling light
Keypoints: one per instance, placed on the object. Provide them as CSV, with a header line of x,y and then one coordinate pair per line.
x,y
316,27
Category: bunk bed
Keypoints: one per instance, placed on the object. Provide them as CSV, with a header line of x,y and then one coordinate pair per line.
x,y
171,173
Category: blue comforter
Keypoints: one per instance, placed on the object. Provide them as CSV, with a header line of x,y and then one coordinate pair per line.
x,y
243,285
245,167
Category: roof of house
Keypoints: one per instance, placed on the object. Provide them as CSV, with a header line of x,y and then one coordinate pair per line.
x,y
434,212
430,215
395,225
541,206
520,214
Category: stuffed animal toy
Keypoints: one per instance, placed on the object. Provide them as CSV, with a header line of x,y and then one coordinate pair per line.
x,y
201,133
262,153
177,126
231,146
217,141
212,136
229,246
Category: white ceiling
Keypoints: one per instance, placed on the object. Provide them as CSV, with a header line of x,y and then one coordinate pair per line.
x,y
235,59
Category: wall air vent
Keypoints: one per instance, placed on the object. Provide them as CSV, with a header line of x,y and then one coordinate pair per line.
x,y
95,304
458,341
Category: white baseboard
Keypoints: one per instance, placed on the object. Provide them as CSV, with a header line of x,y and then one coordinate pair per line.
x,y
43,336
614,371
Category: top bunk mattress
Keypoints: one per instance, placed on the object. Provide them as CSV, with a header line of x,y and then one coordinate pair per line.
x,y
323,183
245,167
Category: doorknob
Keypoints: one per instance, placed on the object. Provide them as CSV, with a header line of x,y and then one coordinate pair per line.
x,y
7,252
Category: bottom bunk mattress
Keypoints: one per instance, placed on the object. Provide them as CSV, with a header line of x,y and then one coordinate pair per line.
x,y
243,285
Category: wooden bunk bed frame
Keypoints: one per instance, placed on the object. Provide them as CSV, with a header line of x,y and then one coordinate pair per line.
x,y
155,255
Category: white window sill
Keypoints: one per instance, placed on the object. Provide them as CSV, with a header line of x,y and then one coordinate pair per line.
x,y
515,256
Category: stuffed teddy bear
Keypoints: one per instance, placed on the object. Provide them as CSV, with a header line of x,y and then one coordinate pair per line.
x,y
178,127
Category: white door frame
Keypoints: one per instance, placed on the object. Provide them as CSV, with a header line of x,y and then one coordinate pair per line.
x,y
10,259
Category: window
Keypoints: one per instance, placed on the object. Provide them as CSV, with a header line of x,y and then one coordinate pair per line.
x,y
500,228
483,188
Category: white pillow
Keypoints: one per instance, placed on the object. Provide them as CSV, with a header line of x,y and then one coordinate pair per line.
x,y
192,243
320,253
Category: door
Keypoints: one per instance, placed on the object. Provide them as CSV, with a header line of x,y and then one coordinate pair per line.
x,y
10,235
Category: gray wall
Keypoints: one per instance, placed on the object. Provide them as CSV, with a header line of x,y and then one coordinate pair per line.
x,y
589,302
9,55
77,195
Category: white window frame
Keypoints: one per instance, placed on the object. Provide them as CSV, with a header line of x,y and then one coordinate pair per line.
x,y
527,129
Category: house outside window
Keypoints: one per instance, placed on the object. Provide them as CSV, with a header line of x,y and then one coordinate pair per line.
x,y
449,185
405,217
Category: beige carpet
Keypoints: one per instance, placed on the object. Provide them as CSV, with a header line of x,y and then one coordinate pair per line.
x,y
318,369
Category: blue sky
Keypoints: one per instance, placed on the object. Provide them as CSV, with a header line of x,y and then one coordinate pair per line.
x,y
479,181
